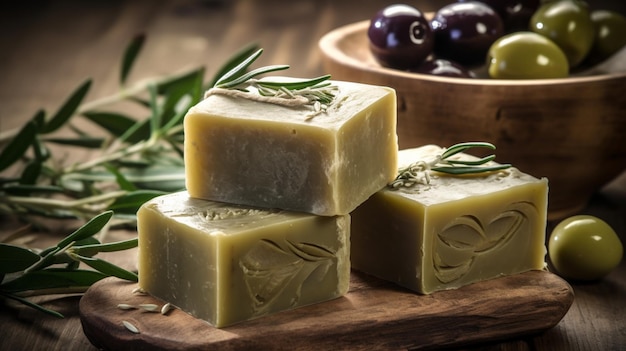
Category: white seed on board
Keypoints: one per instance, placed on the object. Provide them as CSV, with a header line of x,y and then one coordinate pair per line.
x,y
130,326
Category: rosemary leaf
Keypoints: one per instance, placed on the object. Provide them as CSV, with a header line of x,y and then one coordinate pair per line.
x,y
235,83
239,68
67,109
478,162
130,54
238,57
470,170
460,147
296,85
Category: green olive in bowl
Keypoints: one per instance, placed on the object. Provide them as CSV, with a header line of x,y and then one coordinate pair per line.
x,y
610,35
585,248
568,24
526,55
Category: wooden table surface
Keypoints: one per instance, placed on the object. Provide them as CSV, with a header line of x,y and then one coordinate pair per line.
x,y
47,48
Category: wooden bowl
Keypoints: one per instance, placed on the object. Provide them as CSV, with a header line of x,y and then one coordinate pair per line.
x,y
571,130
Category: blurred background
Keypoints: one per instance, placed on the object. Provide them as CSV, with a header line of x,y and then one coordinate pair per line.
x,y
47,48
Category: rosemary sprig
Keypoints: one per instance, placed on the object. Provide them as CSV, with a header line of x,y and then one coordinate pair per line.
x,y
55,270
419,171
316,92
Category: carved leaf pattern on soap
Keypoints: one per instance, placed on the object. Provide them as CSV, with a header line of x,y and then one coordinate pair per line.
x,y
269,269
466,237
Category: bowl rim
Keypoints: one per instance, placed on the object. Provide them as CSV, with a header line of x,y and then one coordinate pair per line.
x,y
328,44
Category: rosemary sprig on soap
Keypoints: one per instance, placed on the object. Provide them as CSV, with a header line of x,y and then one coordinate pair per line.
x,y
316,92
419,171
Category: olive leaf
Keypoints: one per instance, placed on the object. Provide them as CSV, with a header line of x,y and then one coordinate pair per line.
x,y
115,123
67,109
53,278
107,268
31,304
130,55
88,229
15,258
84,141
131,202
90,250
18,146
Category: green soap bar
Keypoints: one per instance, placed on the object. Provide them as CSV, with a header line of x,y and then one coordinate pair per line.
x,y
227,263
453,231
265,155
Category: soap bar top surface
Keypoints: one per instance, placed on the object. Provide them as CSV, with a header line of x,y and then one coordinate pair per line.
x,y
266,155
226,263
453,230
351,98
445,187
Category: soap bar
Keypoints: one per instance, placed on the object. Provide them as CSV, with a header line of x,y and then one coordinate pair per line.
x,y
265,155
226,264
453,230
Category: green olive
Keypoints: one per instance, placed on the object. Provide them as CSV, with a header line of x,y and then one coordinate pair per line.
x,y
584,248
526,55
568,24
610,35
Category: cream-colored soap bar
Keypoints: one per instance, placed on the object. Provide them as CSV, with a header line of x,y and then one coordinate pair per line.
x,y
266,155
452,231
226,263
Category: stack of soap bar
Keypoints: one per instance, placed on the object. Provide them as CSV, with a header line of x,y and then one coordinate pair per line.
x,y
261,154
227,263
454,231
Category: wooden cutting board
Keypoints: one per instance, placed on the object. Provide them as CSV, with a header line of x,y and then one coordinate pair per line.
x,y
373,315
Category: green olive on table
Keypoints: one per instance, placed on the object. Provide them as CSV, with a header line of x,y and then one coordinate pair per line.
x,y
584,247
526,55
610,35
568,24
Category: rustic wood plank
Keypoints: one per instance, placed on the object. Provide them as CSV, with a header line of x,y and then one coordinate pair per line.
x,y
374,315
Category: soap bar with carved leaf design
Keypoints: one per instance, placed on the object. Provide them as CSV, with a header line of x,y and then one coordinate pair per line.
x,y
227,263
452,230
